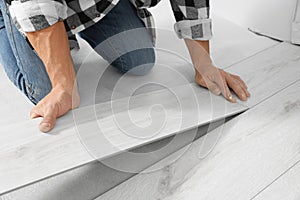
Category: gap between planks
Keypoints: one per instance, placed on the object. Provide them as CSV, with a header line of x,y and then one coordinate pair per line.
x,y
286,187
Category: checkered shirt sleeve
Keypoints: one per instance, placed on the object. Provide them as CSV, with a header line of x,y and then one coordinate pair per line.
x,y
33,15
192,18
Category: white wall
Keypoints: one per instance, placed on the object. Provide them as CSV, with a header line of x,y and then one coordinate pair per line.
x,y
296,26
270,17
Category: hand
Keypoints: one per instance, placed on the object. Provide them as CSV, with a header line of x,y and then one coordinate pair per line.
x,y
218,82
53,48
57,103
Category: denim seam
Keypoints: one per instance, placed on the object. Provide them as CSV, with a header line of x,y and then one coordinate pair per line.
x,y
122,61
28,85
112,47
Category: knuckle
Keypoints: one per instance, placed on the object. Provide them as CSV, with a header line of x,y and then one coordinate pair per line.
x,y
213,87
236,82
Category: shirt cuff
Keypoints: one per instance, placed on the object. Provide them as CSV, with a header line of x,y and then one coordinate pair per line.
x,y
199,29
35,15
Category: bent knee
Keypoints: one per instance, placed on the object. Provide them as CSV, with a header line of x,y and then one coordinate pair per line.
x,y
138,62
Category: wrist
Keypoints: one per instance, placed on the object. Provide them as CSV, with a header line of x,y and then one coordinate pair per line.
x,y
69,87
65,83
70,95
62,76
203,68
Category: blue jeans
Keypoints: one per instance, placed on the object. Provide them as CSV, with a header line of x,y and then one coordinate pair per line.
x,y
131,53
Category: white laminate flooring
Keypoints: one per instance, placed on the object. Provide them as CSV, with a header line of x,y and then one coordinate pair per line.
x,y
252,151
287,186
269,71
255,149
273,79
27,156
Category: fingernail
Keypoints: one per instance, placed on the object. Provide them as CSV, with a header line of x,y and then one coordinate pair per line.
x,y
217,92
231,98
45,127
243,96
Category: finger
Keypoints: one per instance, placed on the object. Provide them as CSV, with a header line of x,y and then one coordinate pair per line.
x,y
49,120
240,80
248,93
245,89
222,83
241,83
34,113
212,87
237,87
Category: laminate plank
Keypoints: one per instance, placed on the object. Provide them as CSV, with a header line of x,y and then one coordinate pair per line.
x,y
93,179
274,69
269,71
12,102
48,154
287,186
252,151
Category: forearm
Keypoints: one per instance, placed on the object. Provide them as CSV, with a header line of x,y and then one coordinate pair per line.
x,y
52,46
200,53
204,44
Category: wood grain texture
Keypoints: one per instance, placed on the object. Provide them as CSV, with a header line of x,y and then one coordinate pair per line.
x,y
10,95
254,149
272,70
161,179
269,71
93,179
63,149
17,143
73,160
287,186
66,142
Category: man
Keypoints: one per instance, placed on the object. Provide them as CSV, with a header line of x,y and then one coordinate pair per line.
x,y
49,79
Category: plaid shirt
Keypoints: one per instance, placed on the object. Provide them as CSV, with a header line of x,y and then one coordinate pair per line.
x,y
192,16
